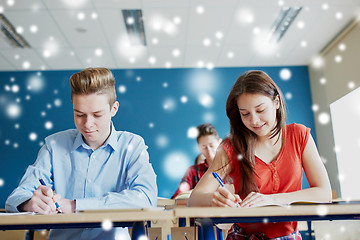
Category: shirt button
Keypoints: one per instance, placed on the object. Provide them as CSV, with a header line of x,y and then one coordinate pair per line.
x,y
89,180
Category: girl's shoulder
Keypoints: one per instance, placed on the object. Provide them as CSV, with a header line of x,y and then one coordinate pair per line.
x,y
296,128
298,133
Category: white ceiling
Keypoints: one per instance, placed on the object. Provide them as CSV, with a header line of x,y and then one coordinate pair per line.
x,y
170,26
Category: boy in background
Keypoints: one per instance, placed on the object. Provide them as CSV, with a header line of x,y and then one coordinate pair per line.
x,y
208,140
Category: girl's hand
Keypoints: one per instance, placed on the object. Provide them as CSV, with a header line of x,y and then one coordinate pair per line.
x,y
222,197
255,199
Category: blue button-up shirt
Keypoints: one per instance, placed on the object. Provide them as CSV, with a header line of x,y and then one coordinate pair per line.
x,y
116,175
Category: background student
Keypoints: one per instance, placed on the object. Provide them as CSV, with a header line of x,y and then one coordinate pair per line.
x,y
264,157
90,167
208,140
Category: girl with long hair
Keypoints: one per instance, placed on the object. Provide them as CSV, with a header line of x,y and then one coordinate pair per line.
x,y
264,159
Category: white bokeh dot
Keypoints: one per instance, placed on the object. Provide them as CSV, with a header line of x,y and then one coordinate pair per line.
x,y
288,95
48,125
169,104
208,117
26,65
162,141
230,55
13,110
338,15
322,81
244,16
338,59
2,182
324,118
192,132
322,210
285,74
200,9
106,225
206,42
151,125
175,164
315,108
33,29
15,88
176,52
205,100
81,16
122,89
57,102
351,85
300,24
342,47
32,136
183,99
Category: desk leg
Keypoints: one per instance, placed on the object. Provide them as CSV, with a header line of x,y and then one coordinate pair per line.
x,y
30,234
205,229
138,230
219,234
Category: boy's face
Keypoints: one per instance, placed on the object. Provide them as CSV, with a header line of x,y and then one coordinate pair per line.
x,y
92,117
207,145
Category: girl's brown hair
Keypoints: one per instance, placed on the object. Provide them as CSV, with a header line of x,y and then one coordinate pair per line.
x,y
242,139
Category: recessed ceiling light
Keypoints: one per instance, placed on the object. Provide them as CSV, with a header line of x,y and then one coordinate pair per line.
x,y
282,23
134,25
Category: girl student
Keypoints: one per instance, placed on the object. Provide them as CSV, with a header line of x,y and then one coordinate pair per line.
x,y
263,158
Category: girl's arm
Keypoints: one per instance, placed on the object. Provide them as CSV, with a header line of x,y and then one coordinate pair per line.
x,y
319,191
208,191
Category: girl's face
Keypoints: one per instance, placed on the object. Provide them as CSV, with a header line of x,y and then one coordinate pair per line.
x,y
258,112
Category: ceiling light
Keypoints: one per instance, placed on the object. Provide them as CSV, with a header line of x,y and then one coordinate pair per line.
x,y
134,26
10,33
283,22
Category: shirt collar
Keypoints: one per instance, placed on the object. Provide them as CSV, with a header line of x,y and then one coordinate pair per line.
x,y
111,141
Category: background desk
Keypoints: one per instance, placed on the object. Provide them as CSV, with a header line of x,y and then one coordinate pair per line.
x,y
88,219
207,216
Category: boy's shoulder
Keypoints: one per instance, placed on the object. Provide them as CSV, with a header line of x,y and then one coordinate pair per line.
x,y
70,133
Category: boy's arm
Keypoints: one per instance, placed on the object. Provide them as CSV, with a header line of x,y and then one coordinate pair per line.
x,y
30,181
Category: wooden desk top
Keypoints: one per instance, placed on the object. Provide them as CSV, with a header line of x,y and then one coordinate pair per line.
x,y
270,211
90,216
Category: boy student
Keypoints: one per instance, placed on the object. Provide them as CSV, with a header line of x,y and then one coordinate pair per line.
x,y
90,167
208,140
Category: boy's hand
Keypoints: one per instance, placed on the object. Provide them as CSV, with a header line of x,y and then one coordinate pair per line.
x,y
41,202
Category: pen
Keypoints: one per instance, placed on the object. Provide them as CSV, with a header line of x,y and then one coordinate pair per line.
x,y
218,178
56,204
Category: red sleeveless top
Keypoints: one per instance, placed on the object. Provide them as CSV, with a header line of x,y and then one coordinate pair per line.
x,y
283,174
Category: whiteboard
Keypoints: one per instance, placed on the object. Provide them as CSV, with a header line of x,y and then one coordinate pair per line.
x,y
345,115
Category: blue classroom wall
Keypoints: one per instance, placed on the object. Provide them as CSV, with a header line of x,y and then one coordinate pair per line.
x,y
161,105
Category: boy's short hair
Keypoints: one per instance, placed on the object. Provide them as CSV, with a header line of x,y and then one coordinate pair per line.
x,y
205,130
94,80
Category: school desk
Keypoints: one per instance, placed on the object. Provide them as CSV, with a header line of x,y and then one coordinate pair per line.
x,y
88,219
206,217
